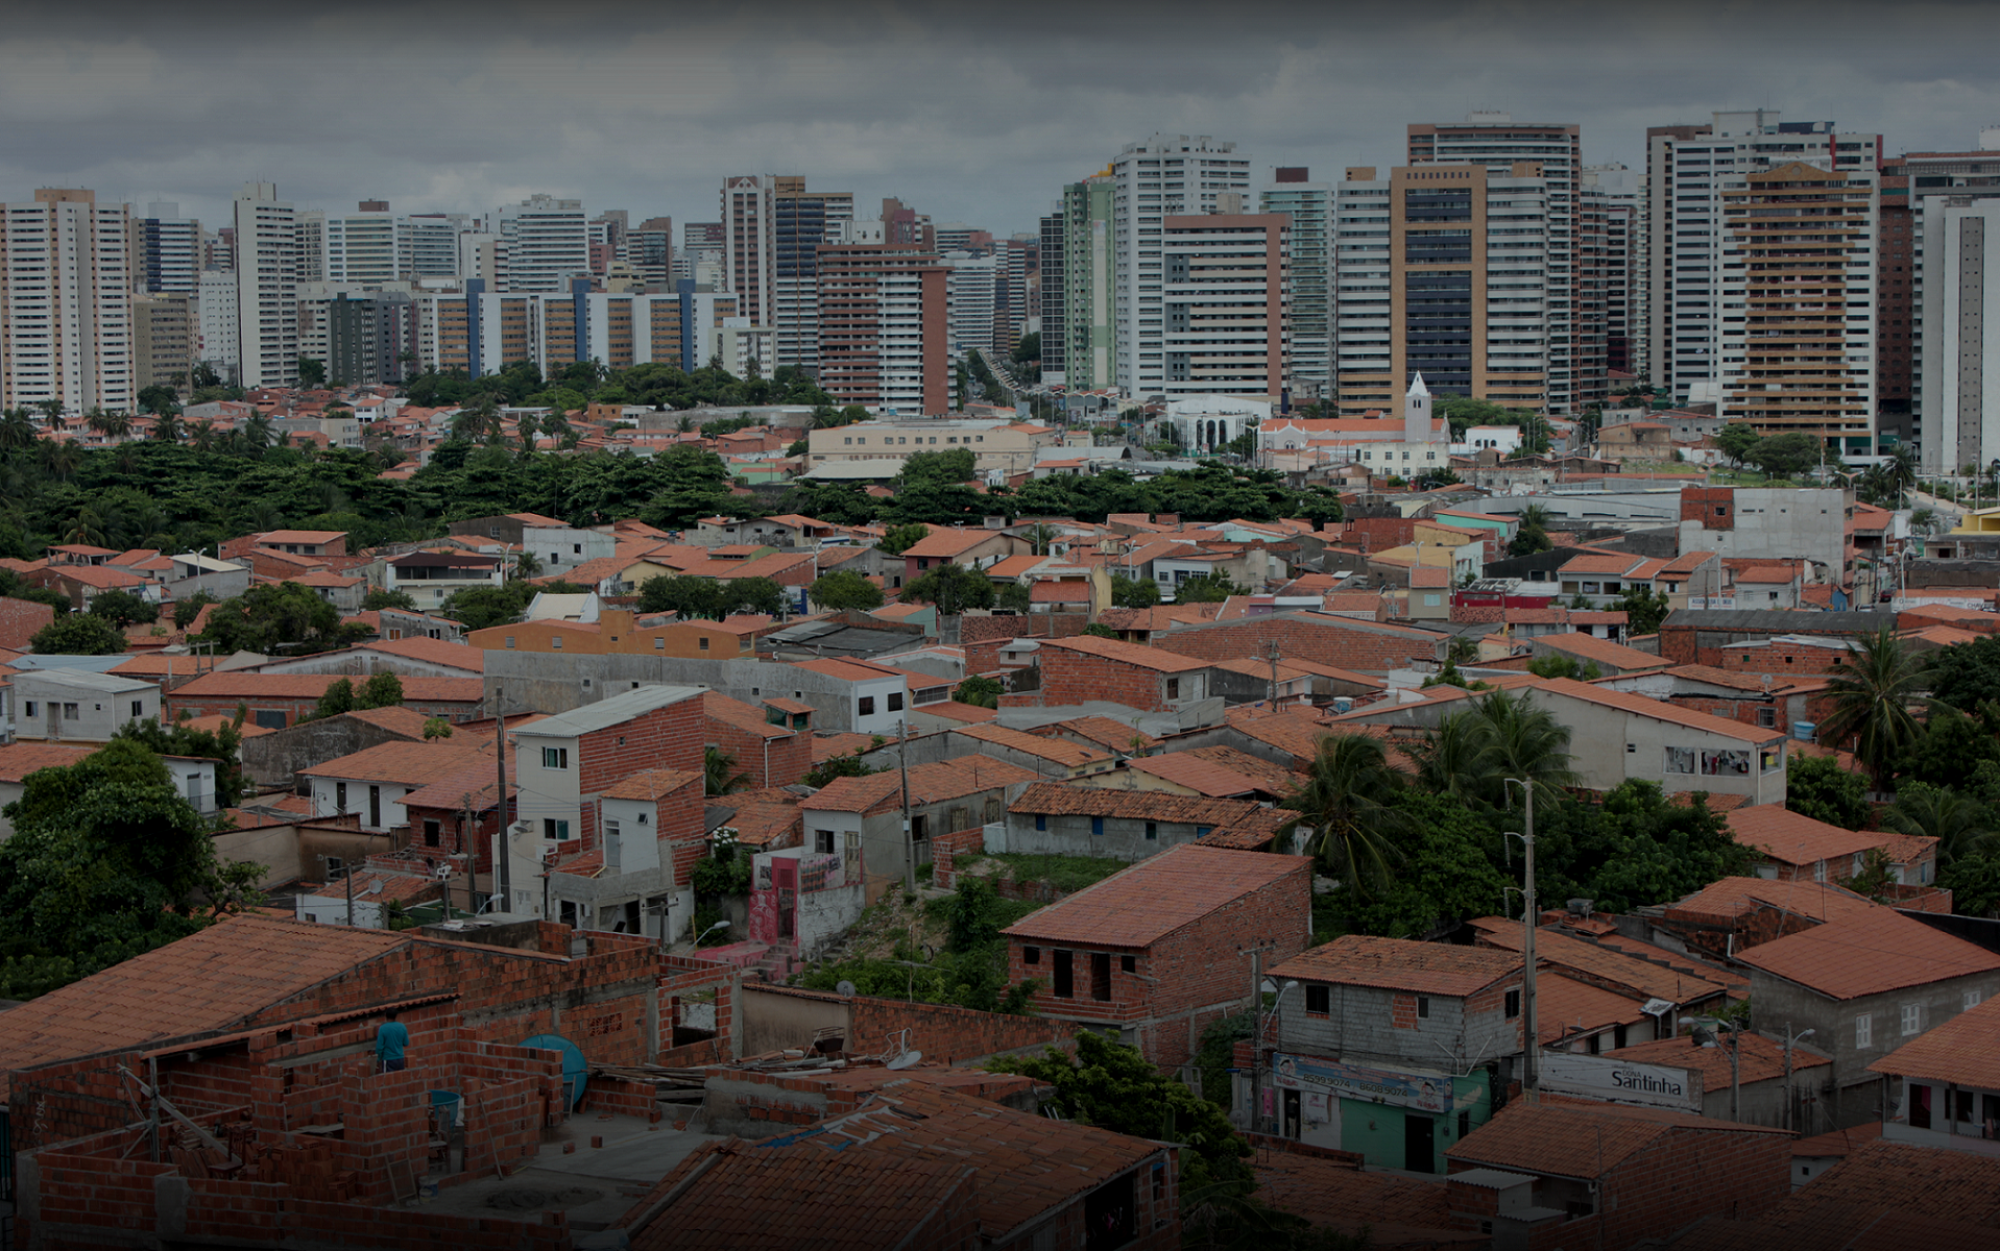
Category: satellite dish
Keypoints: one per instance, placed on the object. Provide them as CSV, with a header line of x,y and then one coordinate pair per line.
x,y
845,989
907,1060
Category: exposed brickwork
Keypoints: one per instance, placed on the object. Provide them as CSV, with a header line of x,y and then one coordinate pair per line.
x,y
669,737
19,619
1337,641
945,848
769,758
1781,658
1713,507
1076,678
948,1034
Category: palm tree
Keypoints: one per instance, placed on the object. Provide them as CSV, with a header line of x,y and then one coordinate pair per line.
x,y
61,458
1522,741
1899,472
1040,537
257,433
1345,805
168,428
202,436
1870,690
1452,760
1961,824
719,773
17,429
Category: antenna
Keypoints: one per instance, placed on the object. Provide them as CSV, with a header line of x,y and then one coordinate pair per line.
x,y
845,989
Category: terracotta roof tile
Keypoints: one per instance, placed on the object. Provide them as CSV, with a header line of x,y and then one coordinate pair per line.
x,y
416,764
1204,777
1061,751
1879,951
1758,1058
1591,962
1129,653
1604,651
435,651
1658,709
407,722
1582,1141
1103,730
238,685
1791,838
929,783
745,717
1061,799
1397,1212
18,760
1137,906
1565,1006
1402,964
1731,897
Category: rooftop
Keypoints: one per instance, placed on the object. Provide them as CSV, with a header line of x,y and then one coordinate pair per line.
x,y
1059,750
18,760
1759,1059
1659,710
929,784
413,764
1402,964
1790,838
1059,799
1881,950
1593,962
606,713
1581,1141
1136,907
1603,651
1127,653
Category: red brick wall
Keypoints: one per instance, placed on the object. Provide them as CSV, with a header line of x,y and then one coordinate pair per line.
x,y
1700,503
1347,645
1071,677
945,848
1190,977
781,763
19,619
945,1033
1691,1174
1786,659
665,738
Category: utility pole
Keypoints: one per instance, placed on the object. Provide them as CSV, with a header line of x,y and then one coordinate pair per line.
x,y
1257,1040
506,840
1271,651
347,875
1735,1072
1530,1040
909,846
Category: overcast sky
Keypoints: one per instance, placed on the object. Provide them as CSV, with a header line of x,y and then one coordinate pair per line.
x,y
968,113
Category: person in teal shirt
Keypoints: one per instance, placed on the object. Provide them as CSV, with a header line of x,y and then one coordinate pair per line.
x,y
391,1041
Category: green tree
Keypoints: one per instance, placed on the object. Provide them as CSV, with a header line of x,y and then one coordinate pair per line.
x,y
1787,455
1348,815
1531,537
1974,883
1207,588
1644,609
338,697
1014,597
78,634
1870,690
719,773
980,692
953,588
478,607
122,608
823,773
1817,787
1133,592
278,618
383,690
220,745
1737,441
312,373
1650,849
1962,825
436,728
186,610
1557,665
1966,675
378,599
1444,875
1949,747
844,590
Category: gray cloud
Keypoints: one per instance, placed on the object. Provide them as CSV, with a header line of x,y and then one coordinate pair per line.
x,y
973,113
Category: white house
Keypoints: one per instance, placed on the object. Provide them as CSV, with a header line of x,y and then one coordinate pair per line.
x,y
76,705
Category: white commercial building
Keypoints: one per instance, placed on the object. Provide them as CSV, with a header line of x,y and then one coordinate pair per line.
x,y
267,313
65,303
540,245
1690,260
1167,175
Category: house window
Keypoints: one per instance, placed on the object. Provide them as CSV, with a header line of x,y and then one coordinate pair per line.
x,y
555,757
1201,831
1423,1007
867,706
433,833
70,712
1031,955
1097,825
510,640
1173,688
1041,821
1128,964
1152,831
556,642
895,701
1864,1030
1913,1016
30,705
614,851
340,797
1063,983
555,831
1100,976
702,644
138,708
1969,1001
823,842
1767,717
1513,1004
1319,1000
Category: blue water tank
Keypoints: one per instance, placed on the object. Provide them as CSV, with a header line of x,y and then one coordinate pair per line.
x,y
575,1071
1343,704
1803,731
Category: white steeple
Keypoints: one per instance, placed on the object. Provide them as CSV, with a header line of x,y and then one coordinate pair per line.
x,y
1417,411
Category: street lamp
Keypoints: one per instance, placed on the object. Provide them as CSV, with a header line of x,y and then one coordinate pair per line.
x,y
1264,1020
719,925
1790,1040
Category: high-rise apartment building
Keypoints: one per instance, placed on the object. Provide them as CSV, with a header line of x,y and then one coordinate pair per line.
x,y
1167,175
1090,291
1224,300
747,211
1688,306
363,335
649,250
167,251
166,331
969,289
368,247
218,343
1554,152
1441,270
309,263
267,267
882,328
65,303
1802,359
1609,218
541,245
1018,260
434,243
801,221
1053,321
904,227
481,332
1309,292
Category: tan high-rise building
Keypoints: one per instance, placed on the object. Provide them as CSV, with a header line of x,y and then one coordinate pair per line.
x,y
65,303
166,335
1803,358
1226,329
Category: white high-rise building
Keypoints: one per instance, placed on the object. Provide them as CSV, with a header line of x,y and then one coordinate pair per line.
x,y
311,227
267,312
434,243
969,302
541,244
368,247
65,303
1959,416
748,243
1225,304
1163,176
1689,298
219,346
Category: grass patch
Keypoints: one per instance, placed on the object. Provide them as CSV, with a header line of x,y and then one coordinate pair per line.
x,y
1066,873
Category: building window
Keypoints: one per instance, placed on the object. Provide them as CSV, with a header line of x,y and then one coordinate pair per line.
x,y
1201,831
1913,1016
1097,825
1864,1030
1152,831
1100,976
30,706
1128,964
433,833
702,644
1173,688
659,645
555,757
510,640
70,712
1063,982
867,706
1513,1004
823,842
340,797
1319,1000
555,831
138,708
1969,1001
895,701
1767,717
1031,955
1423,1007
556,642
1041,821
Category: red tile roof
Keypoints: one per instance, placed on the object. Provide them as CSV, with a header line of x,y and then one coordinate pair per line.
x,y
238,685
1128,653
407,722
1757,1058
1565,1006
414,764
1605,566
1603,651
1592,962
929,784
1061,799
944,542
1113,734
1211,778
1658,709
1581,1141
1790,838
1397,1213
1061,751
434,651
1879,951
18,760
745,717
1402,964
1723,901
1136,907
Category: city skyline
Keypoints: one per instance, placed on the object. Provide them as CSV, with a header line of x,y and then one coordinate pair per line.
x,y
967,115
